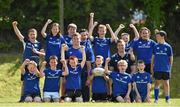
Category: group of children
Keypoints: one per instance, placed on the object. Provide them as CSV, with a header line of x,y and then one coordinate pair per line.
x,y
86,68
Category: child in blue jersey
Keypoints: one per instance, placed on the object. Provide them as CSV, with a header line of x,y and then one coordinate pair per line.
x,y
162,61
143,48
32,49
121,81
101,43
126,36
99,81
73,80
53,40
142,83
52,79
31,77
71,31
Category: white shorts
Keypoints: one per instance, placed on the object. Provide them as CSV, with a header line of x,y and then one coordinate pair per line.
x,y
51,95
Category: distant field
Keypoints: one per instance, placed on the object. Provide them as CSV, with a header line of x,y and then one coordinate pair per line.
x,y
10,88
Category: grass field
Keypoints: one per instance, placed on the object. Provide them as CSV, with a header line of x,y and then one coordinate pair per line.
x,y
10,87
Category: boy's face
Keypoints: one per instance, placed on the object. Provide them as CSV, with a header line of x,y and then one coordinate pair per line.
x,y
84,36
71,31
76,40
31,67
53,63
141,66
122,67
125,38
32,35
99,61
73,62
102,31
159,37
55,30
145,34
120,46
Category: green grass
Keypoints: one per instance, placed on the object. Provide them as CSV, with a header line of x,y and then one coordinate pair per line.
x,y
10,87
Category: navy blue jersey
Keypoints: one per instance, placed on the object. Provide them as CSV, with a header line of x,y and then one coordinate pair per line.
x,y
162,54
53,46
99,85
73,80
120,83
68,40
31,83
28,53
116,57
144,49
142,80
52,80
89,50
102,46
129,45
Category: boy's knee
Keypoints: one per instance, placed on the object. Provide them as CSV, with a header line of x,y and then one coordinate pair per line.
x,y
46,99
37,99
79,99
119,99
28,99
68,99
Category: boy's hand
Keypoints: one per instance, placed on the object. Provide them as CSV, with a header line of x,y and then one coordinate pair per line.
x,y
108,60
26,61
131,26
91,14
14,23
108,26
95,23
64,47
49,21
121,26
34,50
63,61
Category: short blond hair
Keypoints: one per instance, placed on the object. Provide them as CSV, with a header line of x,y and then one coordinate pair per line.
x,y
72,25
32,63
124,62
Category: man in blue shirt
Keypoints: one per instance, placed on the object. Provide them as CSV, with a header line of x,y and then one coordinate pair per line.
x,y
162,61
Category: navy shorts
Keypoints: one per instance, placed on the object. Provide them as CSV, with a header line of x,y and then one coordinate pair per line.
x,y
162,75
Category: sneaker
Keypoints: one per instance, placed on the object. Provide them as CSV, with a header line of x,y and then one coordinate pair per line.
x,y
156,101
168,101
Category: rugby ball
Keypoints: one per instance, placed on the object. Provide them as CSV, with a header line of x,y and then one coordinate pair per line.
x,y
98,71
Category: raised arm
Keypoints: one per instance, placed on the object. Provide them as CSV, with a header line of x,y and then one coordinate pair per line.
x,y
66,71
106,66
91,21
83,56
63,49
90,36
43,66
43,31
135,31
22,68
113,38
121,26
17,31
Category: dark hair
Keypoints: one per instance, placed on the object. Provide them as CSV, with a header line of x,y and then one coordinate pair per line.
x,y
53,57
73,58
83,30
32,30
140,62
162,33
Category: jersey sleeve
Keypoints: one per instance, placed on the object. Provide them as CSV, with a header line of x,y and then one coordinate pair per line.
x,y
170,53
